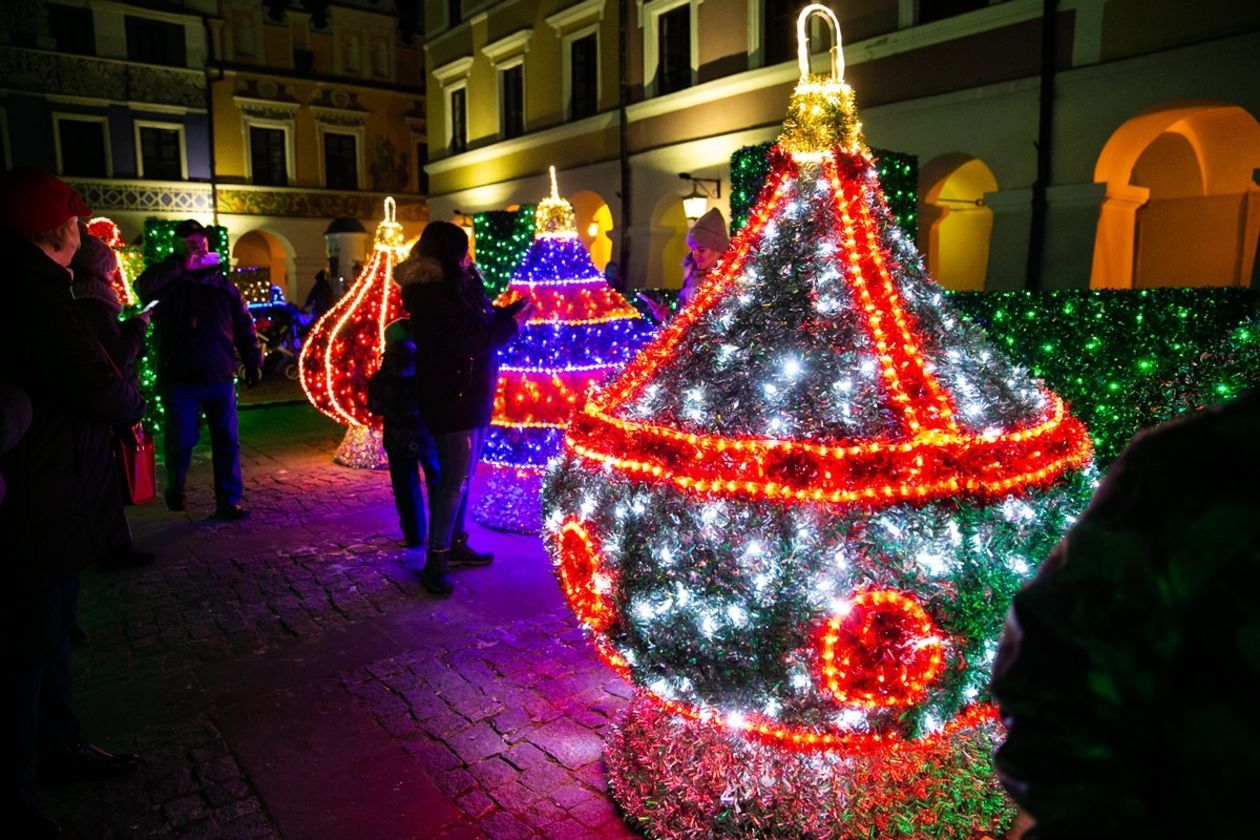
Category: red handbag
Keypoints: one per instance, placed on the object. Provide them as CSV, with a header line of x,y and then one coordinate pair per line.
x,y
137,466
133,453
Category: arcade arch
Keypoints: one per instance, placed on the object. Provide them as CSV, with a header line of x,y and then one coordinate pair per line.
x,y
1181,205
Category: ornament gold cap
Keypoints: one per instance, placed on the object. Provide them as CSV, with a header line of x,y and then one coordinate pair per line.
x,y
822,113
554,216
389,233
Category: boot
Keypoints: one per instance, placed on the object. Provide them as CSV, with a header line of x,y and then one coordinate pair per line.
x,y
436,576
463,554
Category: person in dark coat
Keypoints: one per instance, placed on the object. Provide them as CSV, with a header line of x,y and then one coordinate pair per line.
x,y
61,487
200,324
94,266
319,298
1129,672
457,332
408,445
15,419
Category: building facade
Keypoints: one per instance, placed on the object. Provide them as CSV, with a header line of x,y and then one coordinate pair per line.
x,y
272,120
1140,173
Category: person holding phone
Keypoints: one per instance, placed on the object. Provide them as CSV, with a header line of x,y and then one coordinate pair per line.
x,y
706,241
457,333
94,267
200,326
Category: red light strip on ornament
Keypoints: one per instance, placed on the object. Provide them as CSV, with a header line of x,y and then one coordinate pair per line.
x,y
802,739
365,287
902,367
559,305
933,462
897,680
933,465
662,348
580,562
542,397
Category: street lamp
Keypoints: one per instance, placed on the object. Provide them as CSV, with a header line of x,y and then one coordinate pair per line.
x,y
697,201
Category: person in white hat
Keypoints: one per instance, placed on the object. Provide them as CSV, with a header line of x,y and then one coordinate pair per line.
x,y
707,240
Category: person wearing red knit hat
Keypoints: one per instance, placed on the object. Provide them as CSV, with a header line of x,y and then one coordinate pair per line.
x,y
61,489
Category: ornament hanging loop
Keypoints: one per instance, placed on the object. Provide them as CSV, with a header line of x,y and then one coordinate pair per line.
x,y
391,209
802,41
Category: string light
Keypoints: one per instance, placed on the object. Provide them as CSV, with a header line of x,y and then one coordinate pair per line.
x,y
579,332
800,506
343,348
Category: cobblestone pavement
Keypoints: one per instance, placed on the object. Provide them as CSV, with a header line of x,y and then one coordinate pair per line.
x,y
285,676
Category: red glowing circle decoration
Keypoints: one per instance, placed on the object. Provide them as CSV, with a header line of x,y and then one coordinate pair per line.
x,y
882,650
581,576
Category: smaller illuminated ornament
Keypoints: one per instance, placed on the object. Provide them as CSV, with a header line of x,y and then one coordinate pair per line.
x,y
343,348
107,230
580,332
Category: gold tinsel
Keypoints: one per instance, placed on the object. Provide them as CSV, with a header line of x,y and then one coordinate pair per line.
x,y
389,233
554,216
822,114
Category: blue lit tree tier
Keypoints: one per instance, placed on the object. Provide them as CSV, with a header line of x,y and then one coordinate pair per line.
x,y
581,331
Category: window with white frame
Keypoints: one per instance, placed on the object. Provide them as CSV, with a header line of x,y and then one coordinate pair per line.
x,y
512,100
160,151
452,77
577,26
81,143
670,44
457,118
270,164
584,75
507,56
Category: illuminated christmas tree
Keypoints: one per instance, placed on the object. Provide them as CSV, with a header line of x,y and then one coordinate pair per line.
x,y
343,348
796,519
581,332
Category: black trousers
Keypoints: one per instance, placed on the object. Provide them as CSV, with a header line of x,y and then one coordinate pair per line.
x,y
36,658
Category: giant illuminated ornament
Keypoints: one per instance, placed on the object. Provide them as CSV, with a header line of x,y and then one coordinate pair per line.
x,y
796,519
343,348
580,332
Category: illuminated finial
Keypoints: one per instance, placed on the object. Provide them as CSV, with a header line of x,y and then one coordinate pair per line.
x,y
389,234
822,112
554,216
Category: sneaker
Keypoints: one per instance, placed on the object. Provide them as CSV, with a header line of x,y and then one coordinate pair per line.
x,y
175,500
230,513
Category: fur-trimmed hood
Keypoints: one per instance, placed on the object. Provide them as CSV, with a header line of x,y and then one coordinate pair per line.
x,y
418,270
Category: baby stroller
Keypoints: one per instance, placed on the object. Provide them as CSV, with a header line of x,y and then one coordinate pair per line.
x,y
277,339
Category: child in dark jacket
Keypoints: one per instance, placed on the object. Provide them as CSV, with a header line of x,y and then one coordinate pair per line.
x,y
392,394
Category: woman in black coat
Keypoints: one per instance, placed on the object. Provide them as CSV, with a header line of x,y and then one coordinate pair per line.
x,y
93,266
456,331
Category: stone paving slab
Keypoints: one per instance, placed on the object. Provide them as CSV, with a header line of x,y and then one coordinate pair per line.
x,y
286,676
534,769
